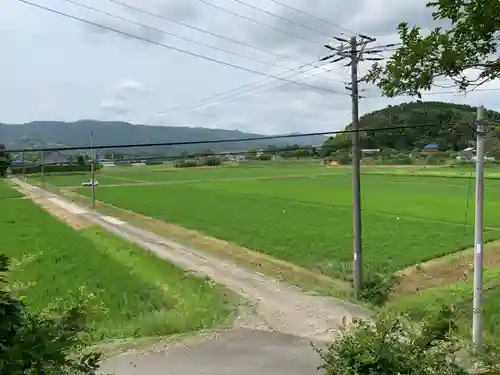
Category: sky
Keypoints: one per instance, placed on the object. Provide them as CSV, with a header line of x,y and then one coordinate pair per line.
x,y
208,63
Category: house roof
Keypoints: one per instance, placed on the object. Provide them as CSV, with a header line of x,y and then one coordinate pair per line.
x,y
431,145
55,158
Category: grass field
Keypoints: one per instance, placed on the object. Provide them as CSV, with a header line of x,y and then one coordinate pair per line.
x,y
138,294
303,214
6,191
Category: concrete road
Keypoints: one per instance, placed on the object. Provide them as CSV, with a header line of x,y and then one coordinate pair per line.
x,y
237,352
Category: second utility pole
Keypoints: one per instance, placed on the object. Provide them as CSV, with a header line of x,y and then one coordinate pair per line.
x,y
92,168
356,173
477,313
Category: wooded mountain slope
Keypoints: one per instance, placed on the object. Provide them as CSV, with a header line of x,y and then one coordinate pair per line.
x,y
449,126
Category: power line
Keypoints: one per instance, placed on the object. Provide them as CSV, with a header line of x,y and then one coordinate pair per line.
x,y
250,91
77,3
280,17
182,156
313,16
236,140
455,93
249,88
459,94
172,47
256,21
208,32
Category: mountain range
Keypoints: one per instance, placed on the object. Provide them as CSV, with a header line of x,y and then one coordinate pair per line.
x,y
73,134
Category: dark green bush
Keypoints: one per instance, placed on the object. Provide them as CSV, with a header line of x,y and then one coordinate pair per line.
x,y
211,161
41,344
396,160
344,160
377,288
185,163
392,345
33,169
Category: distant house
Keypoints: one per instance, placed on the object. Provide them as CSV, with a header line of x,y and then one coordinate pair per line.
x,y
55,158
431,147
370,151
469,156
235,156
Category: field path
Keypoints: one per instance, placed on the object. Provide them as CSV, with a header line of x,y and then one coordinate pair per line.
x,y
280,308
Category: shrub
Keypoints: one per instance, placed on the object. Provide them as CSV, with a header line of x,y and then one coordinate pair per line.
x,y
41,343
33,169
265,157
344,160
396,160
394,346
185,163
211,161
154,162
377,288
434,160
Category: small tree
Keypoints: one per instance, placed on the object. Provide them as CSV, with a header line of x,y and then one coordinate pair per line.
x,y
468,43
4,161
80,159
394,346
40,344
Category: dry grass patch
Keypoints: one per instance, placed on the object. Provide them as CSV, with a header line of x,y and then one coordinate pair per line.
x,y
445,270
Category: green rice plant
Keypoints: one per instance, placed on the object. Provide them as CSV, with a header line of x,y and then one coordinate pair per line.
x,y
136,294
304,221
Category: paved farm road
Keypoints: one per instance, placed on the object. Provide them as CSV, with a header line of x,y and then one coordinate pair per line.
x,y
237,352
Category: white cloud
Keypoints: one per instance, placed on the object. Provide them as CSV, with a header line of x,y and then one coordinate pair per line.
x,y
114,106
129,89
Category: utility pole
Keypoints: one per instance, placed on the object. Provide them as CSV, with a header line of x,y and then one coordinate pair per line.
x,y
24,166
477,313
92,169
42,161
353,51
356,173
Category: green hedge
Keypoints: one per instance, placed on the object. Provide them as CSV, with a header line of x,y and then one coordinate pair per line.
x,y
405,160
185,164
33,169
207,162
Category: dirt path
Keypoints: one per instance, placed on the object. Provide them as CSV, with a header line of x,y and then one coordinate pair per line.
x,y
279,307
446,270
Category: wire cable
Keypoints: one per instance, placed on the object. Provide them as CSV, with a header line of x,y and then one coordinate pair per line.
x,y
77,3
313,16
208,32
281,17
252,93
183,156
455,93
256,21
173,48
248,88
236,140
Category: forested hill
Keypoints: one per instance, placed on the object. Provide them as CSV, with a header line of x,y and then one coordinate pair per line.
x,y
450,126
57,133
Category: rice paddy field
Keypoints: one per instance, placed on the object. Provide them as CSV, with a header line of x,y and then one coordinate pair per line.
x,y
135,295
302,214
